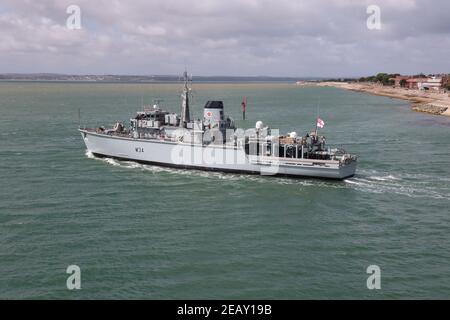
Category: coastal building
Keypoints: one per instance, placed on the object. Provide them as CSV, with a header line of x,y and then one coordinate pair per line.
x,y
415,83
433,83
419,83
398,80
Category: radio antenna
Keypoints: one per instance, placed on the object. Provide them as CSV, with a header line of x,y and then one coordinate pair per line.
x,y
318,108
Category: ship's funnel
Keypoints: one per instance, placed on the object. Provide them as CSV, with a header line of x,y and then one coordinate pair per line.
x,y
213,112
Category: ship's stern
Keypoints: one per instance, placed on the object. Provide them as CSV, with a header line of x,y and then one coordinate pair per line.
x,y
347,168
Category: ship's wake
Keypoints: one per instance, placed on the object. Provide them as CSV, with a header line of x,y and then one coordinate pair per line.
x,y
367,181
406,184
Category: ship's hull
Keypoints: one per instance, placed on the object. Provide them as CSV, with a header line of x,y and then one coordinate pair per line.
x,y
211,158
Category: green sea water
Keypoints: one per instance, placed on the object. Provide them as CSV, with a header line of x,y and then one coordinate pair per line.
x,y
139,231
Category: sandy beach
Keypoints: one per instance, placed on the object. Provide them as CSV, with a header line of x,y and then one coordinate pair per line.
x,y
422,101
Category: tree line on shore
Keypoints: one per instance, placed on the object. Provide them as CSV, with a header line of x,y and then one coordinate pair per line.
x,y
386,78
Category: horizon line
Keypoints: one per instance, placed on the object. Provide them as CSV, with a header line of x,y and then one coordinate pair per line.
x,y
173,75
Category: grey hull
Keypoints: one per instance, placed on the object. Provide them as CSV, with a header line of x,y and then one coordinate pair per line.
x,y
211,158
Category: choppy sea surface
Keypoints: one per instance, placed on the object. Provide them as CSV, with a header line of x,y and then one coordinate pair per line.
x,y
139,231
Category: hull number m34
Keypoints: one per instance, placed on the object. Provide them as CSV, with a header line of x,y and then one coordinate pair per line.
x,y
139,149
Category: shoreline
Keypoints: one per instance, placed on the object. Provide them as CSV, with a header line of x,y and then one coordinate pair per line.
x,y
422,101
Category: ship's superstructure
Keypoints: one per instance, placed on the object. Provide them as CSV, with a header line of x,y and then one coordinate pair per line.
x,y
163,138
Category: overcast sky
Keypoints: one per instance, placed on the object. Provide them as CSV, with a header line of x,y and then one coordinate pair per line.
x,y
225,37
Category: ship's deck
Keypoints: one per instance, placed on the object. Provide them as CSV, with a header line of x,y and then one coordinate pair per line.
x,y
264,158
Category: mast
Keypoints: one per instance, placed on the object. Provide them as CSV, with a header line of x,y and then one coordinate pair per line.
x,y
317,118
185,114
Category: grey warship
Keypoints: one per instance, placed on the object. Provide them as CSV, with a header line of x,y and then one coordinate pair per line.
x,y
162,138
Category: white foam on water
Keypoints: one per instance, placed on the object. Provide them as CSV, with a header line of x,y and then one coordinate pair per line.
x,y
384,178
110,161
352,182
113,162
131,165
89,154
367,181
410,185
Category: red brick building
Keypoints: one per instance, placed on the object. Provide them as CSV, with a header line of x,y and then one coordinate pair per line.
x,y
414,83
409,82
398,79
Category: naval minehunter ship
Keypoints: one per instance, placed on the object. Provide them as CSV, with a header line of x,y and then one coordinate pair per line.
x,y
159,137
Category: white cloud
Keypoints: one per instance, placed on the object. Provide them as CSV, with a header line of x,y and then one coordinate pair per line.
x,y
252,37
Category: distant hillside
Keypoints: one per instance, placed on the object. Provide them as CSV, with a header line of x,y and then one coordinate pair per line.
x,y
137,78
